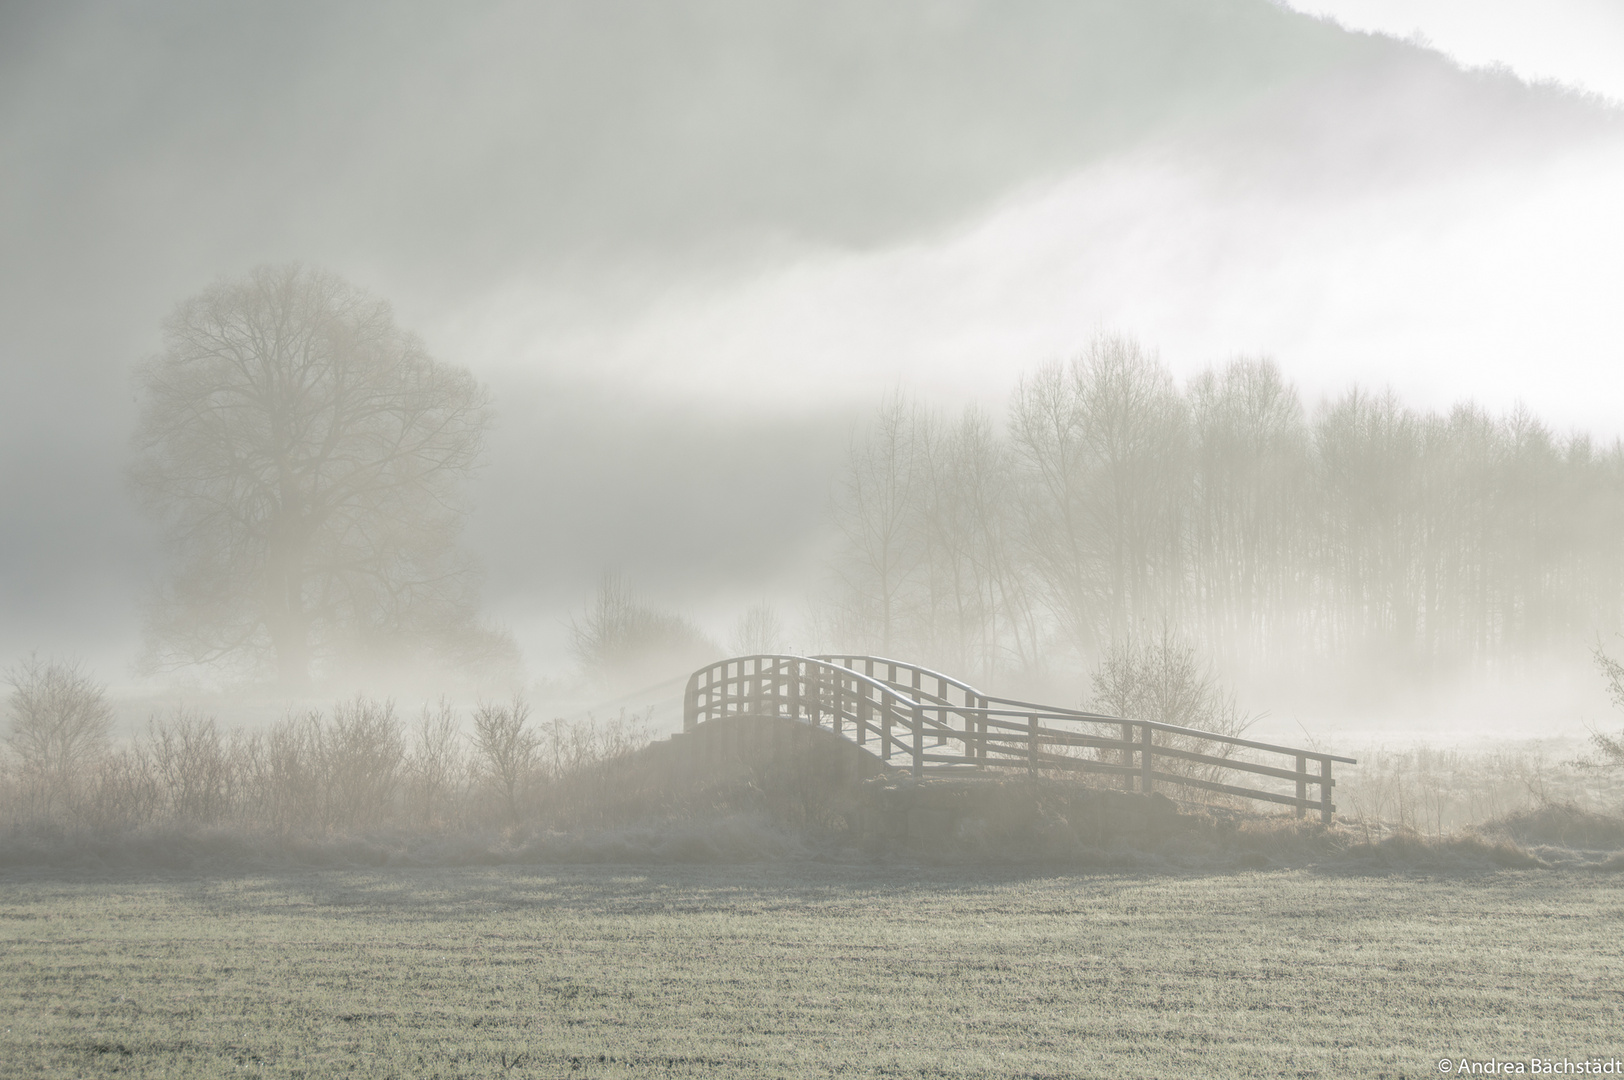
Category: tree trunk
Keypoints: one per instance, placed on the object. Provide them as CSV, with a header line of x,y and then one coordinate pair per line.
x,y
291,641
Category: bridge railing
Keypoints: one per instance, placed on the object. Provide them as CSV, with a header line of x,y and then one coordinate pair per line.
x,y
812,691
934,721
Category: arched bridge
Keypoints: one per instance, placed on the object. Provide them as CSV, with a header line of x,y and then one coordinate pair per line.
x,y
911,718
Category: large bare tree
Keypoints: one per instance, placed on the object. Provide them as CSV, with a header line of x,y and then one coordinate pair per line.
x,y
308,459
875,503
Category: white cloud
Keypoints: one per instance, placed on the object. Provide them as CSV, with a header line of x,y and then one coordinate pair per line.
x,y
1496,284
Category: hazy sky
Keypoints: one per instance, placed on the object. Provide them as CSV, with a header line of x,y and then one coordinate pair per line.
x,y
687,243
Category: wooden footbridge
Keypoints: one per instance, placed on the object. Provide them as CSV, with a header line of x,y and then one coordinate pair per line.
x,y
914,719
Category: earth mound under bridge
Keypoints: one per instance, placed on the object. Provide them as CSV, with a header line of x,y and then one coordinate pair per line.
x,y
900,717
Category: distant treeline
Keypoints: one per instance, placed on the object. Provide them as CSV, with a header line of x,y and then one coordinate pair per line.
x,y
1113,502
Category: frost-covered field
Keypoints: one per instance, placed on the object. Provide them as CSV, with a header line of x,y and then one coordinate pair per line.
x,y
807,969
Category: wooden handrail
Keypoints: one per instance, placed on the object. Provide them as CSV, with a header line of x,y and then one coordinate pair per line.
x,y
837,658
994,733
1023,708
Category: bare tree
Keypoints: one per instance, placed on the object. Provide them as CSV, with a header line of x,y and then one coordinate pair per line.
x,y
875,509
1252,494
978,604
308,460
758,631
1103,444
59,724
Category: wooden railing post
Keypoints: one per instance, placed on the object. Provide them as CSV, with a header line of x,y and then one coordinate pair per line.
x,y
764,688
1325,791
886,742
1032,744
1147,780
874,705
972,725
1302,786
918,740
859,709
1127,756
942,713
837,718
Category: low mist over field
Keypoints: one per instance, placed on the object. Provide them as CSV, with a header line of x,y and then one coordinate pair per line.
x,y
1294,338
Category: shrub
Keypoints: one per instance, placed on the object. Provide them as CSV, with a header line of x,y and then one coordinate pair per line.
x,y
507,750
353,770
307,774
193,765
1166,682
362,751
1610,747
437,769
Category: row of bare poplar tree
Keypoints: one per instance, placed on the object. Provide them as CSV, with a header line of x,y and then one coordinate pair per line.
x,y
1112,502
359,767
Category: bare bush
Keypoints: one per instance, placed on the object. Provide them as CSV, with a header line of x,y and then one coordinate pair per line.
x,y
623,735
507,750
193,765
568,748
362,753
121,792
620,638
350,771
282,790
1610,747
586,767
1166,682
314,775
437,767
59,726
